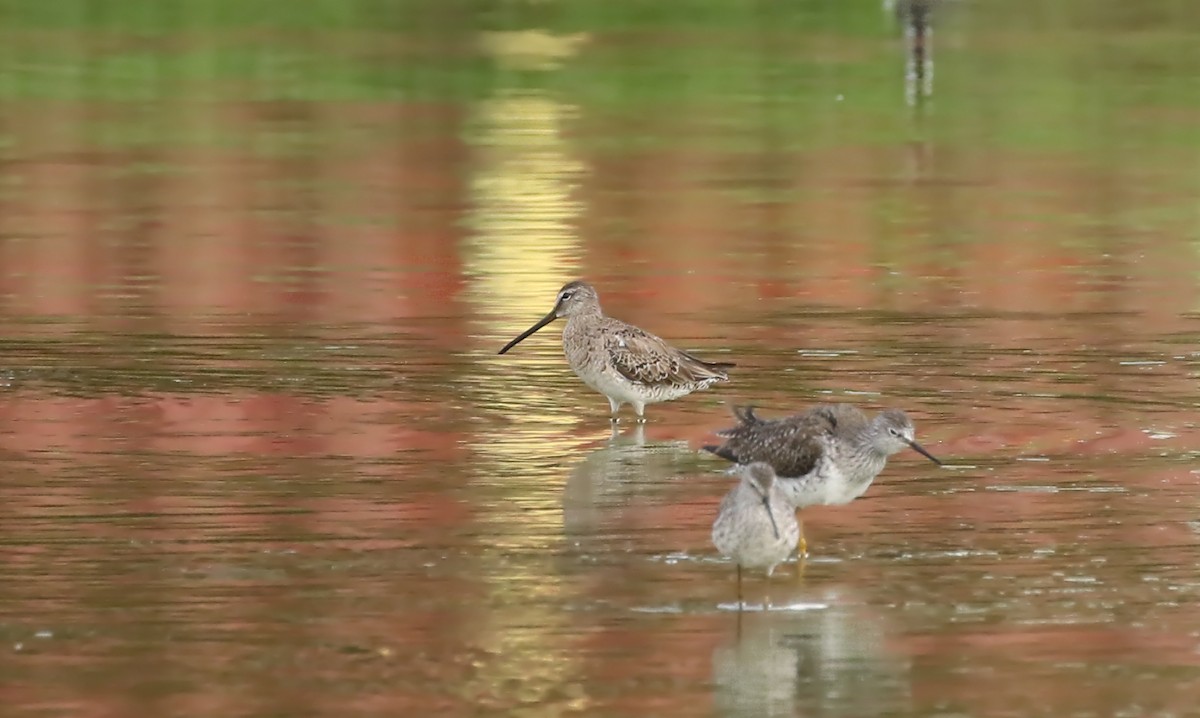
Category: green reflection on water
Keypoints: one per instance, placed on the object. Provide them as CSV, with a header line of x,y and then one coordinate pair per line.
x,y
1021,84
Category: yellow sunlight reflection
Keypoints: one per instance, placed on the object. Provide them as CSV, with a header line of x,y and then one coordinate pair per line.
x,y
524,244
522,247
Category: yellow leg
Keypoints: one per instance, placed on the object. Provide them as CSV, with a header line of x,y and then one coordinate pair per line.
x,y
802,548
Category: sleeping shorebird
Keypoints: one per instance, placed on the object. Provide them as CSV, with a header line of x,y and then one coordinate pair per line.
x,y
624,363
829,454
755,526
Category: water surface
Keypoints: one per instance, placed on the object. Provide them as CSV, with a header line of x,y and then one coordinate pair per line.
x,y
259,456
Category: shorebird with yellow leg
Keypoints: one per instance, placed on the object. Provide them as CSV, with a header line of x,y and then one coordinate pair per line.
x,y
828,454
626,364
755,526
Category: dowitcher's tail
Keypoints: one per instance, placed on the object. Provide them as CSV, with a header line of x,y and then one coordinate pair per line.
x,y
705,370
720,366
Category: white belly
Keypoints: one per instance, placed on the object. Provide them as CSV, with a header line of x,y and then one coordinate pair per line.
x,y
825,484
616,386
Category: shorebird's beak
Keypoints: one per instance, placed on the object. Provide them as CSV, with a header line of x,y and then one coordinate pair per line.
x,y
767,504
541,323
919,449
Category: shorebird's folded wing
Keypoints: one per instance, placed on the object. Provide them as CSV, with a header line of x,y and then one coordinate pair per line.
x,y
643,358
792,445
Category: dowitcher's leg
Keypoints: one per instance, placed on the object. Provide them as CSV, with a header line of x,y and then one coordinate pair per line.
x,y
614,406
739,580
640,408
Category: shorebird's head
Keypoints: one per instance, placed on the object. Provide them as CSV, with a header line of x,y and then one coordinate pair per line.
x,y
894,432
574,299
760,477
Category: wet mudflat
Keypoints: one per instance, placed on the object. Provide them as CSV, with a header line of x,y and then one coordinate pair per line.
x,y
258,455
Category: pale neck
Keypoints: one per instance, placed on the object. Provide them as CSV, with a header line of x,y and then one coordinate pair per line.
x,y
587,313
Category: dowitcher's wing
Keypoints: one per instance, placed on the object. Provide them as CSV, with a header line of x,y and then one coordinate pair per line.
x,y
646,359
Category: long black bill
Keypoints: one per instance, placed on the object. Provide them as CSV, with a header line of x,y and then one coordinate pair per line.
x,y
541,323
767,504
920,450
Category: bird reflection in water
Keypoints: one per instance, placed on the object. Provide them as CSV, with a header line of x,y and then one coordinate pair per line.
x,y
602,486
825,653
915,20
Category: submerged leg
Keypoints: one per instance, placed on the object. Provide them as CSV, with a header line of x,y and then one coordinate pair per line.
x,y
640,408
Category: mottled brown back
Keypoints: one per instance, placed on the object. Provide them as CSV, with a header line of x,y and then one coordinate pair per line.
x,y
646,359
791,445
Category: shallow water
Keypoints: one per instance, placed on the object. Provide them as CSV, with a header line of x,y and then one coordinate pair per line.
x,y
259,455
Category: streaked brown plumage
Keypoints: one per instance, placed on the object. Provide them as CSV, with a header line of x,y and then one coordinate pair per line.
x,y
626,364
829,454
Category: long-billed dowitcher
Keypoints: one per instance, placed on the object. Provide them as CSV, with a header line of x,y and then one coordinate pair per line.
x,y
624,363
755,526
829,454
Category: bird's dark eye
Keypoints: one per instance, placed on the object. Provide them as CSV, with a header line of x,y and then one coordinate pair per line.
x,y
895,432
566,296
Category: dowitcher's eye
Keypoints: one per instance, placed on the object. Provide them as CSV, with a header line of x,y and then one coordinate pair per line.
x,y
566,296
